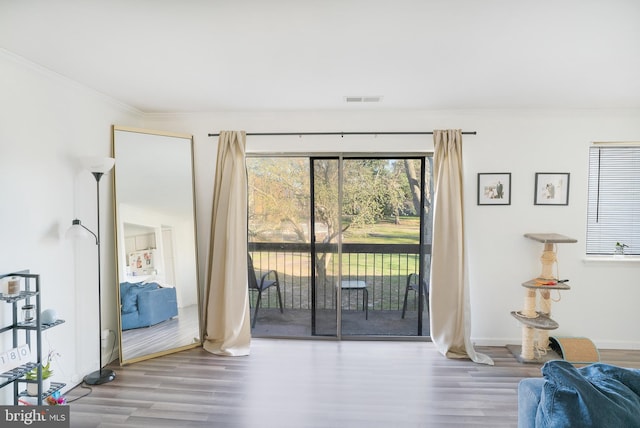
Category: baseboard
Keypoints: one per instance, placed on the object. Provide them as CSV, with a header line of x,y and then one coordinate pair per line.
x,y
600,344
621,345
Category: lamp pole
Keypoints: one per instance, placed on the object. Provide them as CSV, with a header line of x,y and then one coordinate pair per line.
x,y
101,375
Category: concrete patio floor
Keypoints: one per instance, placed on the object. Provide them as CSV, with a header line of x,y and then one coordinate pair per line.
x,y
297,323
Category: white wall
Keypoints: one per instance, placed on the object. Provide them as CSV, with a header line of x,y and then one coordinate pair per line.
x,y
602,304
46,123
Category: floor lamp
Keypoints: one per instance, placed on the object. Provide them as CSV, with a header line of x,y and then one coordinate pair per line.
x,y
98,167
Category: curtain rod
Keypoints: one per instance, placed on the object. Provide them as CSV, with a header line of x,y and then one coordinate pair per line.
x,y
261,134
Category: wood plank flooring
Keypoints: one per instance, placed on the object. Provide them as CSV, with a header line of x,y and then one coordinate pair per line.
x,y
321,383
179,331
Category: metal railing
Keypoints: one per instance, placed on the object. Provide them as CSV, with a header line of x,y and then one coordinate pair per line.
x,y
383,267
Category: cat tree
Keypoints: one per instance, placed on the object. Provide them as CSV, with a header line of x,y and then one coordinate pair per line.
x,y
535,317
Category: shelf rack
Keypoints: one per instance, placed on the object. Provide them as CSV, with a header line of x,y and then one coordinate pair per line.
x,y
16,376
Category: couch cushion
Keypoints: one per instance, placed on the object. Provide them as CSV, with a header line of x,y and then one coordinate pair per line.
x,y
598,395
129,297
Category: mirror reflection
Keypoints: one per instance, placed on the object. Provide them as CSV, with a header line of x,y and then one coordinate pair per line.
x,y
158,291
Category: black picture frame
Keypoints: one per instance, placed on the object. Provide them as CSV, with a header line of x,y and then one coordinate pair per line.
x,y
551,188
494,188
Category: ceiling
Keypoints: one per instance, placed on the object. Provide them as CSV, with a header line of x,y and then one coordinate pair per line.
x,y
209,55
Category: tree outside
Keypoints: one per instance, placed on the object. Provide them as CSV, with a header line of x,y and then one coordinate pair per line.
x,y
375,191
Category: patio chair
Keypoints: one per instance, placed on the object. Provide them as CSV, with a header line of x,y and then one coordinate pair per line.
x,y
413,284
267,280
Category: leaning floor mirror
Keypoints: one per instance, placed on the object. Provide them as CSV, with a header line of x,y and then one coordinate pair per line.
x,y
158,292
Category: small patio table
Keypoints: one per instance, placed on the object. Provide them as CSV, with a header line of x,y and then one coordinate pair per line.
x,y
358,285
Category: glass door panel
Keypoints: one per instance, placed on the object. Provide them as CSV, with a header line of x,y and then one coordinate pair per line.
x,y
325,244
381,217
278,240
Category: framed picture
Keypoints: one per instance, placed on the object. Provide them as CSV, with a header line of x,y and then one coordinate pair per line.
x,y
494,188
552,188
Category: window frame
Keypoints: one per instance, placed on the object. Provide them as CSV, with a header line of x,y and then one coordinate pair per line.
x,y
613,198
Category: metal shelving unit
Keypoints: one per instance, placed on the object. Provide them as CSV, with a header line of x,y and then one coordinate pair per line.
x,y
17,376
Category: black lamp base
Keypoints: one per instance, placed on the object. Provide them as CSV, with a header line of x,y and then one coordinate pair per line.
x,y
99,377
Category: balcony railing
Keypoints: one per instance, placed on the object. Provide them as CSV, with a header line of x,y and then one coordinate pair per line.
x,y
383,267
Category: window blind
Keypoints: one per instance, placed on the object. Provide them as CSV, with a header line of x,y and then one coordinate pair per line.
x,y
613,212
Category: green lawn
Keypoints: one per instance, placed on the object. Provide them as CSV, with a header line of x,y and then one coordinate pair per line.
x,y
386,232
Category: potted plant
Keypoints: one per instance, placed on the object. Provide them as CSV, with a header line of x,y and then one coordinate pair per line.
x,y
47,372
32,388
620,248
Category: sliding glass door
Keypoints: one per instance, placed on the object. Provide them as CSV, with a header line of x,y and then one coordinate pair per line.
x,y
350,239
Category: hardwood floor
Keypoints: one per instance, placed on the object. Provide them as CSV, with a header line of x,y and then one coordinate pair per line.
x,y
321,383
173,333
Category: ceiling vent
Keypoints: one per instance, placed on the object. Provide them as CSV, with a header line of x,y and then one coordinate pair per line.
x,y
363,99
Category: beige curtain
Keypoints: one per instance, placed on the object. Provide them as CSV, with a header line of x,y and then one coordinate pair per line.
x,y
449,294
227,327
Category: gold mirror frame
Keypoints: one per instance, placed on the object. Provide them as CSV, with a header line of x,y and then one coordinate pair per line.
x,y
155,243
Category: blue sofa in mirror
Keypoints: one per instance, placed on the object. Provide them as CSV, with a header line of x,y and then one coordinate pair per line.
x,y
146,303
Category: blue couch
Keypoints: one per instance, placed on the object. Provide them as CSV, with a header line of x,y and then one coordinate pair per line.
x,y
597,395
146,304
